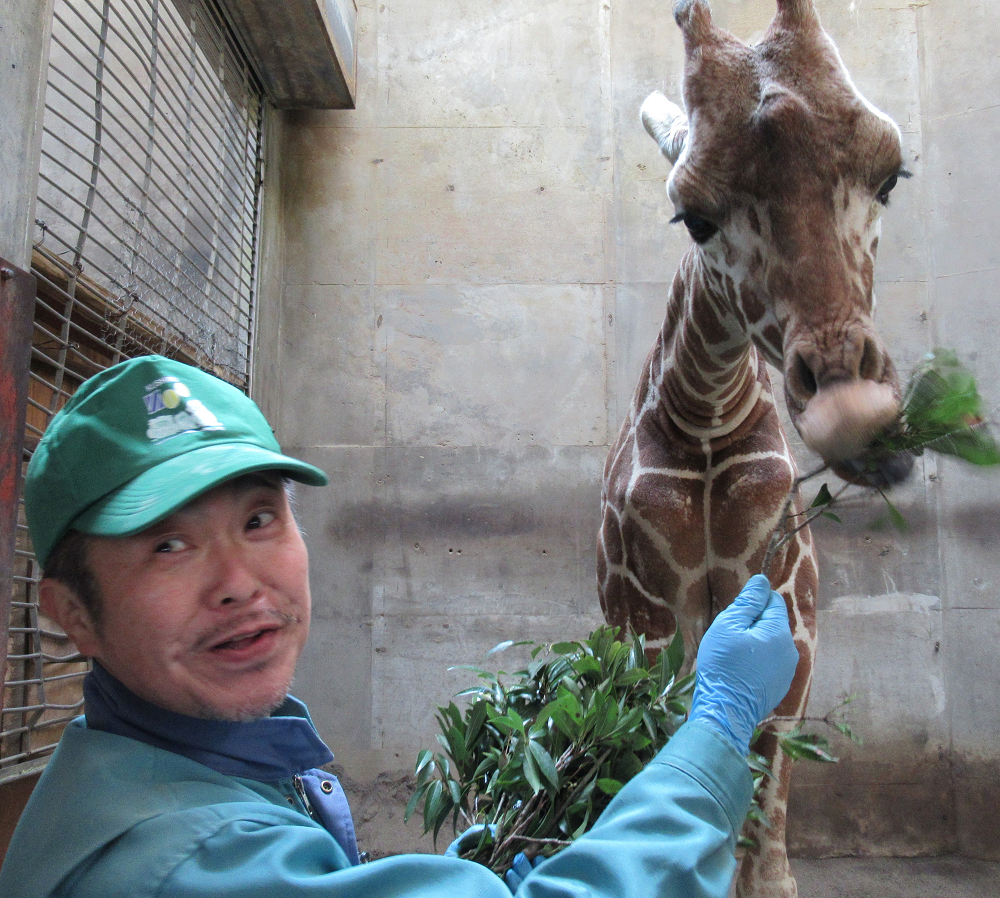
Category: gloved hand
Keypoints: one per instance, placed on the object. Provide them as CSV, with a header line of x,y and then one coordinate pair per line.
x,y
520,867
746,662
467,839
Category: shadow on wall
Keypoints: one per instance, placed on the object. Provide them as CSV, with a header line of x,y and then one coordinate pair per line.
x,y
358,521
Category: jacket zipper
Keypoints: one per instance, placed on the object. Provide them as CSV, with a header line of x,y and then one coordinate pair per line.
x,y
301,792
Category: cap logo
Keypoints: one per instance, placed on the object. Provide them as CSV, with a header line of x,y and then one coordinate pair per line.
x,y
172,411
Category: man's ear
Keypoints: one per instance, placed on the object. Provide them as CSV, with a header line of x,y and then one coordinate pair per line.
x,y
61,603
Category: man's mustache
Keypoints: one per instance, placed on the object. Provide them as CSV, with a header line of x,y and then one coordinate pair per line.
x,y
245,626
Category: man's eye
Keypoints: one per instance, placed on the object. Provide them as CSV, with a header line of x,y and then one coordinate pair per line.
x,y
261,519
883,192
175,544
700,229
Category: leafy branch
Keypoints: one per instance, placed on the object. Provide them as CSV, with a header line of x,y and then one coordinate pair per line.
x,y
941,411
798,745
538,755
787,526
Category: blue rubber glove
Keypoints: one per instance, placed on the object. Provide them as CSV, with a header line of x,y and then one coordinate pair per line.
x,y
520,867
467,839
746,662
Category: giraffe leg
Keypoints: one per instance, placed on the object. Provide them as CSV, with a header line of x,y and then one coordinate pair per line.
x,y
765,871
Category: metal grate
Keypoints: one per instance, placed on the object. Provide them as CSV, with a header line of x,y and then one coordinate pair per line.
x,y
146,242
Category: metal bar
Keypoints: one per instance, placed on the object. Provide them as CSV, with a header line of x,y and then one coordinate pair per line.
x,y
230,207
220,183
77,675
160,233
36,353
114,278
131,41
72,82
125,150
95,166
35,727
254,255
188,151
45,656
28,731
124,172
83,309
147,168
21,771
110,228
212,126
17,294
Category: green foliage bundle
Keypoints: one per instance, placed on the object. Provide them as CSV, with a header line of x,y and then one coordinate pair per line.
x,y
943,412
541,757
538,758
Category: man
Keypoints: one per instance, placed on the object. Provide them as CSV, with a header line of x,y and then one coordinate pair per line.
x,y
158,509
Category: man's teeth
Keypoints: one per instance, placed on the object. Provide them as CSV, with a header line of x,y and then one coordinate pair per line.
x,y
238,641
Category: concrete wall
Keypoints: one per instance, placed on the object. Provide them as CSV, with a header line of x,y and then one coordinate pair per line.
x,y
474,265
24,41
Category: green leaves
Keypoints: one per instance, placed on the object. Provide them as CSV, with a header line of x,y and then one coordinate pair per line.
x,y
540,753
942,411
798,745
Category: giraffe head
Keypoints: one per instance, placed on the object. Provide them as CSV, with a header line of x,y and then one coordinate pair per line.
x,y
780,172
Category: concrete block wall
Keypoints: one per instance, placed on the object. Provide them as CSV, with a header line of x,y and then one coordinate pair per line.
x,y
473,265
24,41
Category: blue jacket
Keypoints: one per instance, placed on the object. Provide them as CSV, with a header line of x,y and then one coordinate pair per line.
x,y
117,816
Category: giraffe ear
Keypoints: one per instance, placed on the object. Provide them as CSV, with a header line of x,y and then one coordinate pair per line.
x,y
695,20
666,124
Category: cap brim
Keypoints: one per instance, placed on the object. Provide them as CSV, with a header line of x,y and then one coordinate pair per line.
x,y
160,491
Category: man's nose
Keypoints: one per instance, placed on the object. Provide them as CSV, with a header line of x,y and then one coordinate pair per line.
x,y
234,580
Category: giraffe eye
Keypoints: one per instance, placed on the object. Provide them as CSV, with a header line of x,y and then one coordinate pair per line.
x,y
883,192
700,229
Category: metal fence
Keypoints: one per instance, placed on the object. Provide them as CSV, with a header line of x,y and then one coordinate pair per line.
x,y
146,242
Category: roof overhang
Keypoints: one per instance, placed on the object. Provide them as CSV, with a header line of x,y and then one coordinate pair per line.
x,y
302,50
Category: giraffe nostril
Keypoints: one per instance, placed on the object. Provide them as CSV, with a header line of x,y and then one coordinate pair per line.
x,y
803,379
871,366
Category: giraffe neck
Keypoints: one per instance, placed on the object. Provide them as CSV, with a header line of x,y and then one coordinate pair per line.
x,y
707,380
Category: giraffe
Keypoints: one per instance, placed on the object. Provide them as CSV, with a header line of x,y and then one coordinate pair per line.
x,y
780,172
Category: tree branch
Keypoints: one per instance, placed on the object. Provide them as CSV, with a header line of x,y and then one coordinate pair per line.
x,y
780,536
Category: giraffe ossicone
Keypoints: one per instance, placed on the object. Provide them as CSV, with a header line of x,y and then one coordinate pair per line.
x,y
780,171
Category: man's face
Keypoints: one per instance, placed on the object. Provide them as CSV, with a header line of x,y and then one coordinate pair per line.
x,y
206,612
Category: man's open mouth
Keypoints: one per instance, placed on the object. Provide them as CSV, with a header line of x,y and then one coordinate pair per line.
x,y
245,641
246,634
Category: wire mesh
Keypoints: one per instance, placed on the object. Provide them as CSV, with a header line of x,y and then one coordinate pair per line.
x,y
146,242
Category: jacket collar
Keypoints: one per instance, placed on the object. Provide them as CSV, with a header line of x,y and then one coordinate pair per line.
x,y
270,749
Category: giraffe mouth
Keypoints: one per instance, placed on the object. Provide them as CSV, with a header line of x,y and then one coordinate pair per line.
x,y
880,471
843,420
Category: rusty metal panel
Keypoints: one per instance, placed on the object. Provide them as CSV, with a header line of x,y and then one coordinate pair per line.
x,y
17,301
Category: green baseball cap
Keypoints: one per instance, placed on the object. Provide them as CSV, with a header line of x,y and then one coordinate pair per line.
x,y
140,440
